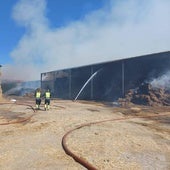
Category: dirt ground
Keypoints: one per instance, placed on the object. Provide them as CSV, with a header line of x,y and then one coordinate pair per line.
x,y
132,143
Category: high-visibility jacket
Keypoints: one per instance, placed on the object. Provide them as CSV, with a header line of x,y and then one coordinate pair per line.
x,y
47,95
38,95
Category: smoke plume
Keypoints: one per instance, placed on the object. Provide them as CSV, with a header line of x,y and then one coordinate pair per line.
x,y
162,81
120,29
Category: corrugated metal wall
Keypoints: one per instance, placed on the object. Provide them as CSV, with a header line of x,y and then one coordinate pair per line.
x,y
109,81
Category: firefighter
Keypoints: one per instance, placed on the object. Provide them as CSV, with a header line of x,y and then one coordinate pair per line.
x,y
38,98
47,100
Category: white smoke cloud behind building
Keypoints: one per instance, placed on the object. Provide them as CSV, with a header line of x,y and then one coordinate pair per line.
x,y
120,29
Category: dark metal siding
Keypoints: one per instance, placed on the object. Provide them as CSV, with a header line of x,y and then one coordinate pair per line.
x,y
111,81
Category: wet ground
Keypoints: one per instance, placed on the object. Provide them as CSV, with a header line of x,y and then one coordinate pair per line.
x,y
134,137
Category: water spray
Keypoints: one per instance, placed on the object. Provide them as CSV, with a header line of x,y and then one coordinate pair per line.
x,y
91,77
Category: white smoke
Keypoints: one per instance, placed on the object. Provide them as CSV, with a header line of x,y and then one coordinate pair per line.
x,y
162,81
120,29
21,88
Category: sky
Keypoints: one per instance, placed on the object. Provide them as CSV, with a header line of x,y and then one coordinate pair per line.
x,y
45,35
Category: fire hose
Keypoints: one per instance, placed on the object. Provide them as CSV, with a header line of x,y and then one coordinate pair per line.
x,y
81,160
77,158
21,120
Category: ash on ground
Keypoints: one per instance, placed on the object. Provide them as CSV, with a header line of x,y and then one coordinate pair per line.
x,y
147,95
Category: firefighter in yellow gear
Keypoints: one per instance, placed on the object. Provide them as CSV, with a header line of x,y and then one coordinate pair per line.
x,y
47,99
38,98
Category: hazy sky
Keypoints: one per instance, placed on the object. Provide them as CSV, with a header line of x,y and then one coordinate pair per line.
x,y
50,35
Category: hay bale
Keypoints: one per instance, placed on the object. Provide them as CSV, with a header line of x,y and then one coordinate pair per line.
x,y
135,109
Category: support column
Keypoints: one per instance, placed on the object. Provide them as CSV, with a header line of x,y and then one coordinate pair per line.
x,y
91,92
70,84
123,79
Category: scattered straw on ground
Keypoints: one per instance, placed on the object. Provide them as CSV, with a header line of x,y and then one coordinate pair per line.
x,y
129,144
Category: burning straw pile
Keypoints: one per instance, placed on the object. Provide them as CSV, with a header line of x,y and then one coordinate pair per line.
x,y
148,95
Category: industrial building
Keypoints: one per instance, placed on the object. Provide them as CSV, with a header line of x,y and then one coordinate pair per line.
x,y
106,81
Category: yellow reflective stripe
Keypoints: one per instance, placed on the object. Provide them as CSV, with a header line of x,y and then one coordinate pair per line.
x,y
38,95
47,94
